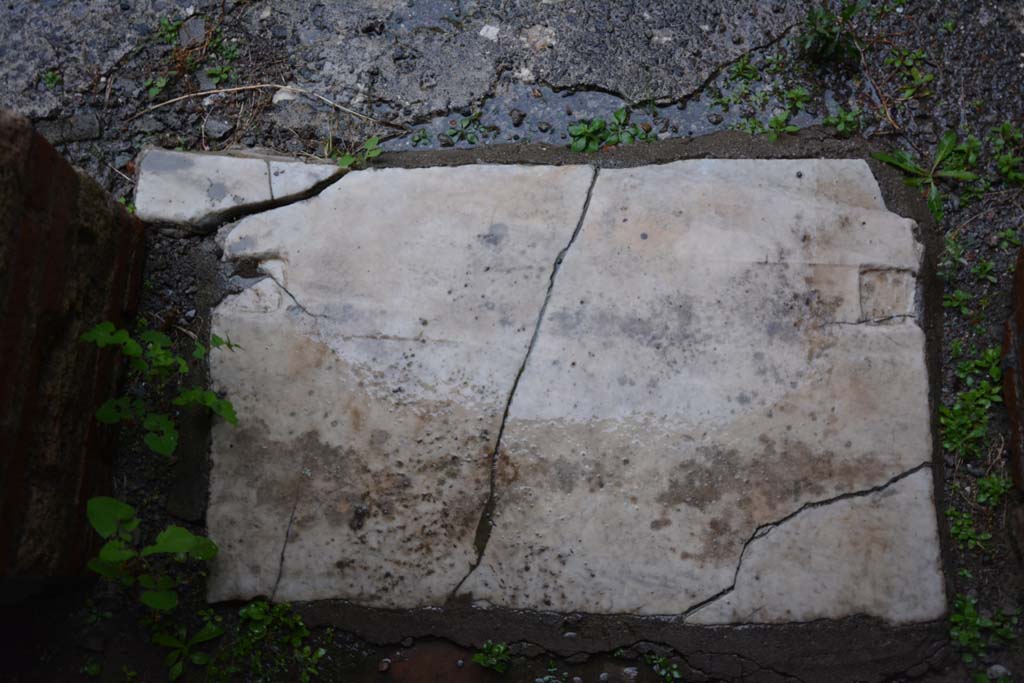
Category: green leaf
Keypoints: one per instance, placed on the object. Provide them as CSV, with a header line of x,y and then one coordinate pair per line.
x,y
177,540
900,160
105,569
100,335
155,338
208,632
935,202
957,175
200,658
346,161
131,349
167,640
173,539
199,352
161,436
204,549
947,143
175,671
161,601
116,409
105,514
620,116
579,144
116,551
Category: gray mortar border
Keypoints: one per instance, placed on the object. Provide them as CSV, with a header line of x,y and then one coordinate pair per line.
x,y
856,648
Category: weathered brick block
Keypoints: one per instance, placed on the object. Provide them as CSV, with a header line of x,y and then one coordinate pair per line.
x,y
70,257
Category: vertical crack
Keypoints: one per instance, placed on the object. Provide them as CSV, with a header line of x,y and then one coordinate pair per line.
x,y
284,546
484,526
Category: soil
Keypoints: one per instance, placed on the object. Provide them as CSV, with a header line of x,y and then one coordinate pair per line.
x,y
79,70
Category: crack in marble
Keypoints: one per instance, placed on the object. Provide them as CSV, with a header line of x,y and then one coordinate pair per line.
x,y
484,526
764,529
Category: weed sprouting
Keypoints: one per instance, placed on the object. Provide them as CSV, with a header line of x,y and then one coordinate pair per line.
x,y
494,656
961,528
943,167
992,489
846,122
828,37
974,632
368,150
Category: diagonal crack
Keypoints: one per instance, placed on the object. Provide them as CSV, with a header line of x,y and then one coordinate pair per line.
x,y
764,529
484,527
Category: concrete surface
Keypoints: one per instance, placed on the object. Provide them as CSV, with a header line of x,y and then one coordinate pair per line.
x,y
725,374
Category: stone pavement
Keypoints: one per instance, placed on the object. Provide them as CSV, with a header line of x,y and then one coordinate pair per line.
x,y
695,389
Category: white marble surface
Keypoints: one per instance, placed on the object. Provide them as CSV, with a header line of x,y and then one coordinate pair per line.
x,y
727,344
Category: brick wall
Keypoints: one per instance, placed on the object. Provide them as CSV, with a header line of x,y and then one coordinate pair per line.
x,y
70,257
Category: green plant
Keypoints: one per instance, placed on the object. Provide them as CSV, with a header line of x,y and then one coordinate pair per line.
x,y
621,131
588,136
270,642
91,668
119,559
961,528
796,99
51,79
128,205
829,37
952,258
465,129
845,122
219,74
750,125
965,423
182,648
167,30
1008,239
152,360
370,149
421,137
743,70
949,26
992,489
664,669
958,300
779,124
985,270
494,656
155,86
928,179
988,365
973,632
1006,141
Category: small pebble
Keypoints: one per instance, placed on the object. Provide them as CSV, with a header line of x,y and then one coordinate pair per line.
x,y
569,634
460,664
603,677
714,118
407,642
997,671
630,673
544,126
384,665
